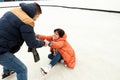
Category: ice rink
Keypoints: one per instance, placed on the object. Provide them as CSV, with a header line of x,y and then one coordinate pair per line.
x,y
94,35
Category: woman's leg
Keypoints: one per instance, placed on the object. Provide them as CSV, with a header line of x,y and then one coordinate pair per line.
x,y
11,62
51,56
56,59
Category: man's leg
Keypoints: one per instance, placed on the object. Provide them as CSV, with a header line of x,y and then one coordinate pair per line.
x,y
11,62
5,70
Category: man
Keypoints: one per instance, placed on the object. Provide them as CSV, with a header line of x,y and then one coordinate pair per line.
x,y
17,26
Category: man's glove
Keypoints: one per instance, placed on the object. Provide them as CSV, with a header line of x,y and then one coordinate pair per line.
x,y
35,54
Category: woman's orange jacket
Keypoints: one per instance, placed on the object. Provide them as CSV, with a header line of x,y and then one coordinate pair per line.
x,y
64,49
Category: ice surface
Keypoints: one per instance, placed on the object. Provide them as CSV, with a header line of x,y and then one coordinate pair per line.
x,y
95,37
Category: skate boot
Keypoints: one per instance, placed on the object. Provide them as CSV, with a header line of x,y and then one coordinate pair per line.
x,y
4,75
46,69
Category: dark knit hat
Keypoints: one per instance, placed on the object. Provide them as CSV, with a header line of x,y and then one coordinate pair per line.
x,y
30,9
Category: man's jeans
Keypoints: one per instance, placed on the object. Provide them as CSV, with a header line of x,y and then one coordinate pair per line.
x,y
11,63
54,58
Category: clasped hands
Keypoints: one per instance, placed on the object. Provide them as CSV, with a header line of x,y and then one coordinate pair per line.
x,y
46,43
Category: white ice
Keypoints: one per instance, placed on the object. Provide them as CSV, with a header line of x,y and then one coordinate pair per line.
x,y
95,37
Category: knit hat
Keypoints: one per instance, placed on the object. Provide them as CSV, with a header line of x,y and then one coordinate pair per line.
x,y
30,9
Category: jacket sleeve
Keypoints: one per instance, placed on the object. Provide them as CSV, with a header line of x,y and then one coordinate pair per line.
x,y
29,37
43,37
57,45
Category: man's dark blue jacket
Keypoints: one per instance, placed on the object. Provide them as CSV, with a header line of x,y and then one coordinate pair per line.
x,y
17,26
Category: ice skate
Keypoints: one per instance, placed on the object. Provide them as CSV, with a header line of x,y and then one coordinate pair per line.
x,y
4,75
46,69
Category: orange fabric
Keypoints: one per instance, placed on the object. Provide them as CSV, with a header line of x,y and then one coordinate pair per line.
x,y
23,16
64,48
43,37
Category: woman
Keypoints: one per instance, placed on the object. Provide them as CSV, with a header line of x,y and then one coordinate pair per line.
x,y
60,50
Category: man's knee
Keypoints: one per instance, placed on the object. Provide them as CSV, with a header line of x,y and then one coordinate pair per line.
x,y
22,69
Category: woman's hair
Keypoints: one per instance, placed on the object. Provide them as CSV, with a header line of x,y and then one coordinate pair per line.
x,y
39,10
61,32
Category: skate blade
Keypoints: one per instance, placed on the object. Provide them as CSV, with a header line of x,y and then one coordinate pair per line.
x,y
43,72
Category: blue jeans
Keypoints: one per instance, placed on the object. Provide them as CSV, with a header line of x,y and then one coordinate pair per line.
x,y
1,0
11,63
54,58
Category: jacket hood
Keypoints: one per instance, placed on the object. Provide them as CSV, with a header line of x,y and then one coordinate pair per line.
x,y
30,9
62,38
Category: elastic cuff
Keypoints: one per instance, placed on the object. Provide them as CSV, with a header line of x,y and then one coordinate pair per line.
x,y
37,36
49,44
